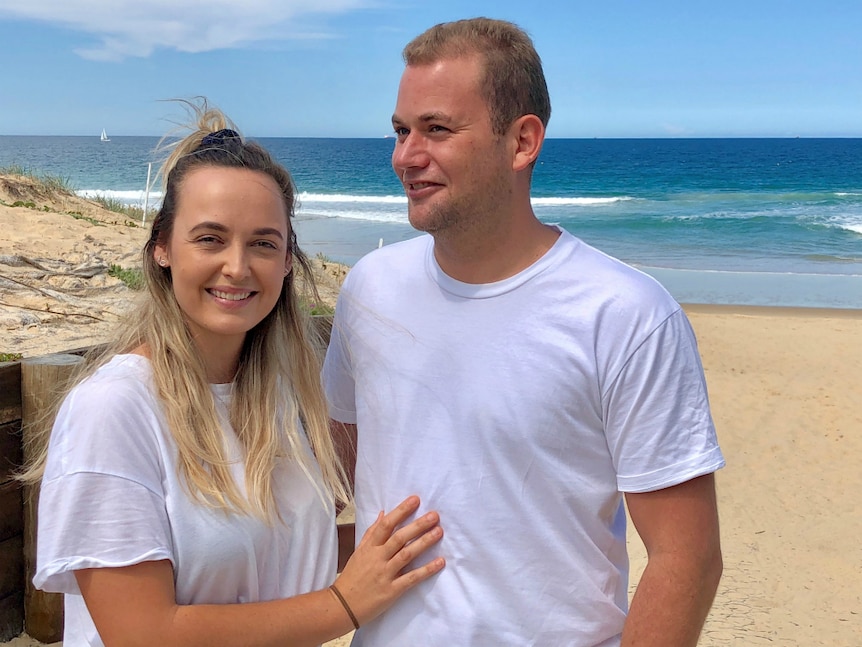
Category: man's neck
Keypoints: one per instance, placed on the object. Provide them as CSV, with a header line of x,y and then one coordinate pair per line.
x,y
496,256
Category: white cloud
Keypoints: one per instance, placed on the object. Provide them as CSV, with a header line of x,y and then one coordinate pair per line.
x,y
126,28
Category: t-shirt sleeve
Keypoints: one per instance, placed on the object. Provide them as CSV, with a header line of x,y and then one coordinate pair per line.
x,y
658,423
102,500
338,379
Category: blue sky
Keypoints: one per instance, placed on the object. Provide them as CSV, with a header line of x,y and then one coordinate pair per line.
x,y
615,68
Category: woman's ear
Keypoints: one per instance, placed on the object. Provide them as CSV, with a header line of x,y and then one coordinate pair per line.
x,y
160,255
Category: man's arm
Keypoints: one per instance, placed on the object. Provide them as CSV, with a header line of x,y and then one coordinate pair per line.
x,y
344,440
679,528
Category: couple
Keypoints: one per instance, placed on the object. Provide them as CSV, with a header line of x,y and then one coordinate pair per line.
x,y
519,381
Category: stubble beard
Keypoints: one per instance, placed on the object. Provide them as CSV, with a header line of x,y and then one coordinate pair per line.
x,y
438,219
465,215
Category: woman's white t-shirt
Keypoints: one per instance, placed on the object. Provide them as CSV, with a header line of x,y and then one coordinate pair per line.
x,y
112,496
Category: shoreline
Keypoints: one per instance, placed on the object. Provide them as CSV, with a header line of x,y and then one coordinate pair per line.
x,y
346,240
771,311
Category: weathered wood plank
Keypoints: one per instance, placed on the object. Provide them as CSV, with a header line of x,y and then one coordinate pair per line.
x,y
12,572
11,512
11,615
43,380
11,452
10,392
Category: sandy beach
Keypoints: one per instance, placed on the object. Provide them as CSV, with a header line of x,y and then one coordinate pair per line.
x,y
784,385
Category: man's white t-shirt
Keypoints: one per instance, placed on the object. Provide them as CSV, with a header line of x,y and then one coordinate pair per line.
x,y
520,410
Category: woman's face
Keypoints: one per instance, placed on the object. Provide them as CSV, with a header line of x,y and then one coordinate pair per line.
x,y
228,253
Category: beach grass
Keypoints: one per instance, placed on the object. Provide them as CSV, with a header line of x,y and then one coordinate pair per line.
x,y
53,183
318,309
131,211
132,277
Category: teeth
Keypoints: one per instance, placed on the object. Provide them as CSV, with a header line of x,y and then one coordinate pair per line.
x,y
230,297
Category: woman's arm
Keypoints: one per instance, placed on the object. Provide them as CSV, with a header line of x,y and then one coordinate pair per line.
x,y
136,606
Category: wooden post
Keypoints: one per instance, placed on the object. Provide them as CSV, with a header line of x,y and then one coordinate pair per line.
x,y
43,380
11,504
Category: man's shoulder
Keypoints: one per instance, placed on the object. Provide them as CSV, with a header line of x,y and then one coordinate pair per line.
x,y
599,275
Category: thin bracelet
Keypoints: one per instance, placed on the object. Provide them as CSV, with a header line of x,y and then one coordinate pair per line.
x,y
345,605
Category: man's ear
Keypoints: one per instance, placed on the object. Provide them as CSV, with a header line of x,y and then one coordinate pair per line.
x,y
528,134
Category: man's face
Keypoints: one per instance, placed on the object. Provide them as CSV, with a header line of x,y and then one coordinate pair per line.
x,y
454,169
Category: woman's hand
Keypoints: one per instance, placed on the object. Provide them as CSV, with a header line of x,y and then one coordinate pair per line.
x,y
374,576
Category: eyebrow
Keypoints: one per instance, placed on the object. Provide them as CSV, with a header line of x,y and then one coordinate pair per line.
x,y
428,116
217,226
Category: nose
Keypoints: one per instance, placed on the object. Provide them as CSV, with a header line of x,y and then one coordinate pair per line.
x,y
236,262
410,152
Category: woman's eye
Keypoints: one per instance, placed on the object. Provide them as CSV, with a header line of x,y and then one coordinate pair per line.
x,y
266,243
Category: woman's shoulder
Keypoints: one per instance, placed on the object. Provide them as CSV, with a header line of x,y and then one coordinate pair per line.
x,y
118,393
123,375
109,421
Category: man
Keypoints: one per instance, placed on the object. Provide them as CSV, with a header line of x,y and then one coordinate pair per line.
x,y
520,381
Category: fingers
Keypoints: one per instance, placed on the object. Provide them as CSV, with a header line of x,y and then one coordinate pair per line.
x,y
381,530
411,578
403,545
426,528
379,571
426,536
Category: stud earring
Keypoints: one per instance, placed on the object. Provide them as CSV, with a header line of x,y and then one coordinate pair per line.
x,y
162,261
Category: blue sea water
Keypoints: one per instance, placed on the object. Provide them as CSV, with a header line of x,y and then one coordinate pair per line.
x,y
743,221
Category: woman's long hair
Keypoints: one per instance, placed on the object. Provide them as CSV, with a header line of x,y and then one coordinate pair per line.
x,y
277,384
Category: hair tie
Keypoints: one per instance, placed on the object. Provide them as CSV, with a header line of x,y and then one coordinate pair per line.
x,y
218,138
345,605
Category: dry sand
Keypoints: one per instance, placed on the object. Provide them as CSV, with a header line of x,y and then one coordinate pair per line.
x,y
786,391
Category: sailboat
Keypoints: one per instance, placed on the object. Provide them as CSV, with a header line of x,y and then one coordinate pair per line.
x,y
104,136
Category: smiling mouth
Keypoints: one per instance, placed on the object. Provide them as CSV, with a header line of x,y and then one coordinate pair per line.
x,y
231,296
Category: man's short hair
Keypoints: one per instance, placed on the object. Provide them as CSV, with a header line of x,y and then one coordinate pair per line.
x,y
513,83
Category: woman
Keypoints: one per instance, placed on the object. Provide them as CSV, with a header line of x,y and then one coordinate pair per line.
x,y
187,491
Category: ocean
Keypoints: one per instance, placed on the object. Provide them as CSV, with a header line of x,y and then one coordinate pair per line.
x,y
772,222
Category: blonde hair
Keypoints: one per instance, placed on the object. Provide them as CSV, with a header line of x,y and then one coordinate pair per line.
x,y
278,382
